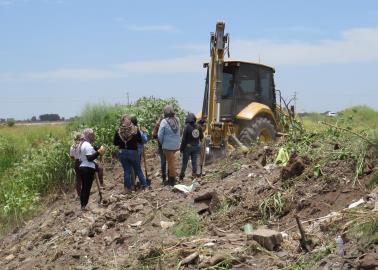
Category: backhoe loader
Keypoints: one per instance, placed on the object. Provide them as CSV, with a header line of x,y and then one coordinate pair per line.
x,y
239,105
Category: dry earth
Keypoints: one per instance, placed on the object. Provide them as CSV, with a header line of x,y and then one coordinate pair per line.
x,y
134,232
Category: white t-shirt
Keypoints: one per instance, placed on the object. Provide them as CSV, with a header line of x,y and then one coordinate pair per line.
x,y
74,152
86,149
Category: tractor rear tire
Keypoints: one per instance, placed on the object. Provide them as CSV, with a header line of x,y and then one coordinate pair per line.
x,y
260,129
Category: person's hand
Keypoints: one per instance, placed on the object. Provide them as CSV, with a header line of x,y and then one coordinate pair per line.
x,y
101,150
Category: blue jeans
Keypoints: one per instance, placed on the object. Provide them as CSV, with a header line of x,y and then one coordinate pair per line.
x,y
192,152
129,159
163,162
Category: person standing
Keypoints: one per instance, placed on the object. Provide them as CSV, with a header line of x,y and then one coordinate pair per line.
x,y
75,156
190,144
169,138
87,155
144,138
163,161
127,137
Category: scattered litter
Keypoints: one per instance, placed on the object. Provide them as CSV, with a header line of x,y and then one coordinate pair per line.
x,y
210,244
189,259
136,224
355,204
269,167
284,235
166,224
282,157
187,189
375,207
248,228
252,175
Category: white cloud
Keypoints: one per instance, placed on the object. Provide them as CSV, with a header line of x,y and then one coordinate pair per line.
x,y
352,46
152,28
64,74
192,63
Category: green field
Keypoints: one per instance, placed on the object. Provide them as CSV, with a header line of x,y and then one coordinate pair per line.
x,y
33,163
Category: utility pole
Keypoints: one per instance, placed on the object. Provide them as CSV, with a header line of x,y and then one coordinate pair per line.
x,y
128,98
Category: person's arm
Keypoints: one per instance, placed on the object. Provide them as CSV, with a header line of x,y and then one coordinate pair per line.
x,y
155,131
116,139
93,156
201,133
144,137
184,139
72,155
90,153
139,137
161,131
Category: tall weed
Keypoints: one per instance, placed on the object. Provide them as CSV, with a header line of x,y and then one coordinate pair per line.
x,y
41,170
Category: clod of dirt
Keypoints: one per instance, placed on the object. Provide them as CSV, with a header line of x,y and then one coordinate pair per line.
x,y
269,239
121,217
369,261
295,167
210,199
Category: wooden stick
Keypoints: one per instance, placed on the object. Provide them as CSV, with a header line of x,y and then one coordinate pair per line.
x,y
271,185
303,241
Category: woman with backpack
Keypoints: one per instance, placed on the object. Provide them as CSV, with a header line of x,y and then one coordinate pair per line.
x,y
169,138
190,144
127,137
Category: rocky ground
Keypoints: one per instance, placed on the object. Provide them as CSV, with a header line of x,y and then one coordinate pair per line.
x,y
147,229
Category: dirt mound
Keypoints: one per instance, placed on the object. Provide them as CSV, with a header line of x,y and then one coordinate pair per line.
x,y
294,167
161,228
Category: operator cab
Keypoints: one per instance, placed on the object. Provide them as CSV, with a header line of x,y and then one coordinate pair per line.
x,y
243,83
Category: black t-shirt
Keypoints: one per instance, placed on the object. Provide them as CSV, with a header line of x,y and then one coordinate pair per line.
x,y
132,144
192,135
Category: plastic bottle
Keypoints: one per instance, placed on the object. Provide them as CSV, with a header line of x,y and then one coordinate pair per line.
x,y
339,246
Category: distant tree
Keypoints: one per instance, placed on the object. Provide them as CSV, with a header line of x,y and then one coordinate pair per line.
x,y
34,119
11,122
2,120
49,117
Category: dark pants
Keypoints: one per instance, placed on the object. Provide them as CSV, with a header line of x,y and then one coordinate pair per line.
x,y
163,163
87,176
78,181
129,160
192,152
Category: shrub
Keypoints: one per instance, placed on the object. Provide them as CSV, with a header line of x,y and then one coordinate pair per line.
x,y
105,118
11,122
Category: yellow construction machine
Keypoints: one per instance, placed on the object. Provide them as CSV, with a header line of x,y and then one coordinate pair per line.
x,y
239,104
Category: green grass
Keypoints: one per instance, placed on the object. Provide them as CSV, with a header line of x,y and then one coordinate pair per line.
x,y
272,206
365,229
33,162
304,262
358,118
189,224
17,140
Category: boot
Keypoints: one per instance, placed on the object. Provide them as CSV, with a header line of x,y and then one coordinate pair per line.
x,y
172,181
164,177
181,177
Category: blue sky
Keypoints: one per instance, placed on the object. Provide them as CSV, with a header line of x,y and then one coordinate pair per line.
x,y
58,55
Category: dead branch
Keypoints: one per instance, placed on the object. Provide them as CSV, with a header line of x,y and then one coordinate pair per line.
x,y
350,131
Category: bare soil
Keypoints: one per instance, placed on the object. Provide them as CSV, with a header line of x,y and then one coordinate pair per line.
x,y
126,232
